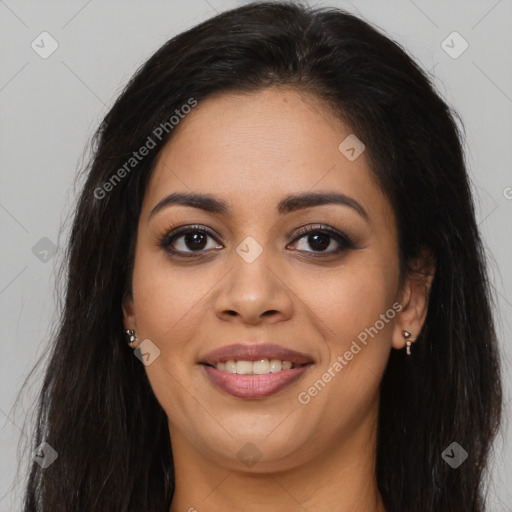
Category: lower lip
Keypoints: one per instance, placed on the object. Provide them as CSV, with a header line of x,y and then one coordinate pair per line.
x,y
254,386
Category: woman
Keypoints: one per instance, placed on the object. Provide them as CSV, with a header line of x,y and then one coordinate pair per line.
x,y
277,223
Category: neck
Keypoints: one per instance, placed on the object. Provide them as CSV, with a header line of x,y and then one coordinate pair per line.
x,y
342,478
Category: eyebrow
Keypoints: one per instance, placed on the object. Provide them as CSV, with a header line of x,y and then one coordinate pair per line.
x,y
287,205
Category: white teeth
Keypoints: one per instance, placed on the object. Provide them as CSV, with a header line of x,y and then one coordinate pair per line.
x,y
230,366
275,365
261,367
243,367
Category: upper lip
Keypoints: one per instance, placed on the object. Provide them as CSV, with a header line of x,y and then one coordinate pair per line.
x,y
254,352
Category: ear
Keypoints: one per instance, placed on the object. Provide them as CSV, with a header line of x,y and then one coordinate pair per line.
x,y
129,319
414,299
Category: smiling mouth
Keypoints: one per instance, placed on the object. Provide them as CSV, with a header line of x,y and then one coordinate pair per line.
x,y
251,385
259,367
256,370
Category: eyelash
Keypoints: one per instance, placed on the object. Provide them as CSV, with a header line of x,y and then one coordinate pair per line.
x,y
345,242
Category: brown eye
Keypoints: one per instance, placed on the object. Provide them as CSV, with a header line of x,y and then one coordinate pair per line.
x,y
320,238
319,241
187,240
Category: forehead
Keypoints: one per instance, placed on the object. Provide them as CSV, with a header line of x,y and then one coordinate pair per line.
x,y
251,148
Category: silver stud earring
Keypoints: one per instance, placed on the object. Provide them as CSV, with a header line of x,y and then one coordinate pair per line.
x,y
408,341
132,337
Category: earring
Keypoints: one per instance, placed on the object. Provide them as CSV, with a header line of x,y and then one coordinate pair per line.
x,y
408,343
132,337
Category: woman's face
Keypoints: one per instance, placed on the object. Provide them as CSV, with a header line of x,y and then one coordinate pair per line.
x,y
247,274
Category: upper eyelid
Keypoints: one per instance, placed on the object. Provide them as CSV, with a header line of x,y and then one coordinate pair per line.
x,y
179,230
303,231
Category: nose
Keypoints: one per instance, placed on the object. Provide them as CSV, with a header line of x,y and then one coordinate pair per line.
x,y
253,293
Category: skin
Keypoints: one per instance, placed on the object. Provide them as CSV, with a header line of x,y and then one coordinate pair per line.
x,y
251,150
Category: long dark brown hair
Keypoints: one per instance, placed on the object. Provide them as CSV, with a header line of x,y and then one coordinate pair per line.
x,y
96,407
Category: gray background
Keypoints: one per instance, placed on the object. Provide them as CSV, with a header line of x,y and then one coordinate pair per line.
x,y
50,107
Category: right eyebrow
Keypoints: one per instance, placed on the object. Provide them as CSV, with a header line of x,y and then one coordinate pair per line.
x,y
287,205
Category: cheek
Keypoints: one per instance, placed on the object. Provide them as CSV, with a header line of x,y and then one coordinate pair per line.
x,y
350,305
168,302
354,306
168,307
352,298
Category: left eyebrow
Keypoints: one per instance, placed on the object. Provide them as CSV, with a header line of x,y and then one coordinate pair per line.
x,y
295,202
287,205
202,201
